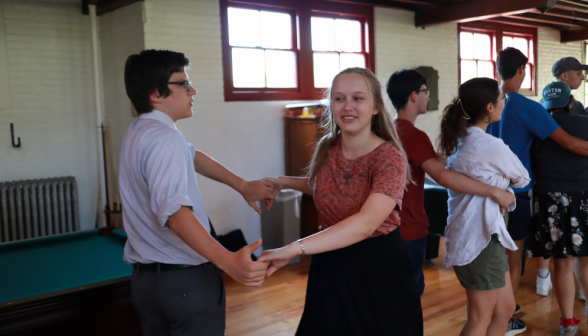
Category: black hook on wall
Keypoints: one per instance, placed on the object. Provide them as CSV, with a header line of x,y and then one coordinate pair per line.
x,y
12,135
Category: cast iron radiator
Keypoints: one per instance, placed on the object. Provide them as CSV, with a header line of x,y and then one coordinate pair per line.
x,y
37,208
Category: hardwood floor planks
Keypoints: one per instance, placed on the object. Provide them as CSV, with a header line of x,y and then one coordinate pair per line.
x,y
275,308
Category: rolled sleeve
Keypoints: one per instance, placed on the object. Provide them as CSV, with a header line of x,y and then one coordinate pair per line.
x,y
167,177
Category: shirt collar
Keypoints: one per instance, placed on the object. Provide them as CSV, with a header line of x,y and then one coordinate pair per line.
x,y
473,129
159,116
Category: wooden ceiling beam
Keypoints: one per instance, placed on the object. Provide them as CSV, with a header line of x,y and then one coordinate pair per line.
x,y
110,6
573,35
525,23
550,19
575,15
570,7
391,3
576,2
477,10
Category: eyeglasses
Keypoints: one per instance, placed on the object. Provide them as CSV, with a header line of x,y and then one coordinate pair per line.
x,y
426,91
188,84
505,97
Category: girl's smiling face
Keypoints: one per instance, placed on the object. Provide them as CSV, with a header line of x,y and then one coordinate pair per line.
x,y
352,103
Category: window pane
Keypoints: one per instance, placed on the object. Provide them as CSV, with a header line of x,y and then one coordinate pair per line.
x,y
351,60
482,46
485,69
326,66
248,68
468,70
276,30
243,27
466,45
348,35
507,42
521,44
323,34
280,69
527,82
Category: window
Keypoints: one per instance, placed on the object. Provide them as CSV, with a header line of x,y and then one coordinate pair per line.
x,y
337,44
478,46
262,49
287,49
477,56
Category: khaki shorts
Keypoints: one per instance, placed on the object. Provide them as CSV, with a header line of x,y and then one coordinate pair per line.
x,y
487,271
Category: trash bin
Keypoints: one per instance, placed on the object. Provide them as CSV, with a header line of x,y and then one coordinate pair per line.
x,y
281,225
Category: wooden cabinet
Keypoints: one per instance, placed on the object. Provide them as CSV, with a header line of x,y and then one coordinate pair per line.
x,y
302,134
301,138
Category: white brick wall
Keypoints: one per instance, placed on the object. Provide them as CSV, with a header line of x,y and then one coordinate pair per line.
x,y
549,51
400,45
51,95
121,34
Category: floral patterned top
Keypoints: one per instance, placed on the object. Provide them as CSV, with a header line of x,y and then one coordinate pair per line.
x,y
382,171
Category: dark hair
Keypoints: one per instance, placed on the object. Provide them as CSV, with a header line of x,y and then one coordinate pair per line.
x,y
471,102
149,71
402,84
509,61
566,109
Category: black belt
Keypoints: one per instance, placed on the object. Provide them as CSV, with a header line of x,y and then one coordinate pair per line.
x,y
162,267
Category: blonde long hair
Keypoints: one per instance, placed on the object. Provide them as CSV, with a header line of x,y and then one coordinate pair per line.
x,y
381,125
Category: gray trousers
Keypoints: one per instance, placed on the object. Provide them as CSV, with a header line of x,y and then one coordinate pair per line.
x,y
188,301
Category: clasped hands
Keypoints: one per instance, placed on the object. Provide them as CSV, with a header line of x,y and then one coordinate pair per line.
x,y
253,273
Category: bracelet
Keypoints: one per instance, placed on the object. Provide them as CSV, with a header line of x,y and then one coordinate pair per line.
x,y
301,245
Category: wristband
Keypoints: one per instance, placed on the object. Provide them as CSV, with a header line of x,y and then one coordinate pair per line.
x,y
301,245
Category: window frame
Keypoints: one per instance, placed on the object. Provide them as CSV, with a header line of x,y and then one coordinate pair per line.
x,y
498,30
303,11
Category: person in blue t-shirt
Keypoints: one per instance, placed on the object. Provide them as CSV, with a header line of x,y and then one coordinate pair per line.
x,y
522,120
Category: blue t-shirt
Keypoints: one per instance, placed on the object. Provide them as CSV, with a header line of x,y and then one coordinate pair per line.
x,y
522,120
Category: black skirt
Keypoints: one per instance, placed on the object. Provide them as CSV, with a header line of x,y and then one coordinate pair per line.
x,y
363,289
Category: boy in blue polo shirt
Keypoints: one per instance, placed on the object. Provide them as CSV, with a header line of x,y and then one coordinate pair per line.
x,y
522,120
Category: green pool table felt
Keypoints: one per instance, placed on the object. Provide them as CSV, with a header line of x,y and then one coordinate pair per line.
x,y
51,264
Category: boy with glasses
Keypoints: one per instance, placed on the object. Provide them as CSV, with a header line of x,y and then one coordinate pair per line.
x,y
407,89
176,284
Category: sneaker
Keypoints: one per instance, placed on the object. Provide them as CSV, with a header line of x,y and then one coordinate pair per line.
x,y
544,285
568,331
581,294
515,327
568,327
517,310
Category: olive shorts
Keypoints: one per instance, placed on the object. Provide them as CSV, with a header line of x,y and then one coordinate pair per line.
x,y
487,271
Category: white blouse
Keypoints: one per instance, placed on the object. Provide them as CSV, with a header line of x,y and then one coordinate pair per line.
x,y
474,219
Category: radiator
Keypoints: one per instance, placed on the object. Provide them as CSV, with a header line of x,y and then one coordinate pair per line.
x,y
38,208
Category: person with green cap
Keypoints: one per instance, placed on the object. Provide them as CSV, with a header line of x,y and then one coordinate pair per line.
x,y
560,202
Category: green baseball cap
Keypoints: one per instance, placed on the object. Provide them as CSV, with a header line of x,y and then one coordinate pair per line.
x,y
556,95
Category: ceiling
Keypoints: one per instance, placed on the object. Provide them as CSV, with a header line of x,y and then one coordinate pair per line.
x,y
568,16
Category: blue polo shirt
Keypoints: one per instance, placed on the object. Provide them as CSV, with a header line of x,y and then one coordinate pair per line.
x,y
522,120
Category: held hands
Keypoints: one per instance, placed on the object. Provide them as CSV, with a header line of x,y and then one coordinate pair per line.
x,y
259,190
243,269
279,258
277,188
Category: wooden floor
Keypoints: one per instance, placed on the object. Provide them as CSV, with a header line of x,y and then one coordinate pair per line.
x,y
275,307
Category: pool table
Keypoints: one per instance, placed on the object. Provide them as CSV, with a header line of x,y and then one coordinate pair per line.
x,y
68,284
